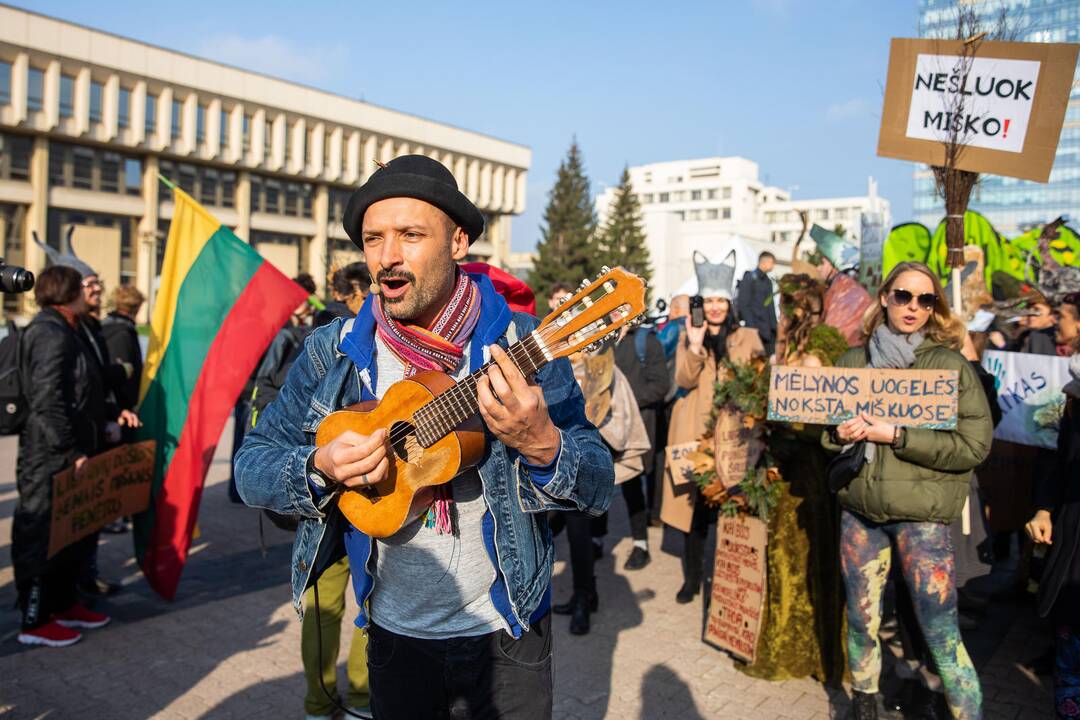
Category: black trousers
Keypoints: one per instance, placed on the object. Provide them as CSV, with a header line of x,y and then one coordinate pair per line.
x,y
580,531
473,678
633,493
693,557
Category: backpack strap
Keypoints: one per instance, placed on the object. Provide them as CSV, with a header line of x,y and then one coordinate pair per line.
x,y
640,338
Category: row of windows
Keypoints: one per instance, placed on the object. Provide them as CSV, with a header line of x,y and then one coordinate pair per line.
x,y
87,168
209,186
278,197
36,102
707,214
684,195
15,153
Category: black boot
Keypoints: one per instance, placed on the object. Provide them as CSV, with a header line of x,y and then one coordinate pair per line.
x,y
591,598
688,591
579,616
638,559
863,706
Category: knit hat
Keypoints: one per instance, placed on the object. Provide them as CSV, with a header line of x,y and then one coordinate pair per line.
x,y
843,254
715,279
67,257
413,176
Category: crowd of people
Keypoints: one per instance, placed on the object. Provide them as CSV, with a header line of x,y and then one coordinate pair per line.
x,y
874,525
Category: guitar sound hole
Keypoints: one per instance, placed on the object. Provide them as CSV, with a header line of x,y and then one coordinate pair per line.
x,y
404,442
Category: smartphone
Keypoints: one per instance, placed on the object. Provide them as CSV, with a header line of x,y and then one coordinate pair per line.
x,y
697,311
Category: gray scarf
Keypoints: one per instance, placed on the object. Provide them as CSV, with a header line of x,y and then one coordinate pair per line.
x,y
890,349
1072,388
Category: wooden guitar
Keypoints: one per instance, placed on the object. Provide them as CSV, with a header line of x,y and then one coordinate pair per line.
x,y
433,422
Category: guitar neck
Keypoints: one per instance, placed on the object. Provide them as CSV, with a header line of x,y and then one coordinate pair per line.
x,y
458,403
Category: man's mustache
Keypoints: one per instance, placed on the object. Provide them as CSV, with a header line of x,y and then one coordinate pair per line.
x,y
395,275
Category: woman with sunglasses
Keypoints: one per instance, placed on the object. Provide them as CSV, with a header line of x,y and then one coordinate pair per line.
x,y
912,485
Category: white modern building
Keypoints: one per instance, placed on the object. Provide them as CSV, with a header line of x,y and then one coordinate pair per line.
x,y
713,205
88,121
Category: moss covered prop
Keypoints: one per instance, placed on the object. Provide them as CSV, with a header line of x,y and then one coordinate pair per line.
x,y
744,389
826,344
909,242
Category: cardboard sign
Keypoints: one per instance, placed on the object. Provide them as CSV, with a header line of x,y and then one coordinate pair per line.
x,y
738,587
113,484
871,248
1005,104
735,448
1029,395
829,396
680,462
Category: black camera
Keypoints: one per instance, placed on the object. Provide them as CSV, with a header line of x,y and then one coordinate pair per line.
x,y
14,279
697,311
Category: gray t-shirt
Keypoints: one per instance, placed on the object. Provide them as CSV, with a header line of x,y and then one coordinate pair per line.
x,y
427,585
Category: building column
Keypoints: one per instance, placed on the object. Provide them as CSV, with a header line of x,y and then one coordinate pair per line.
x,y
146,248
38,213
243,205
317,248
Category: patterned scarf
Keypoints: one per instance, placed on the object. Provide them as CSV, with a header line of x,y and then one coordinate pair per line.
x,y
441,348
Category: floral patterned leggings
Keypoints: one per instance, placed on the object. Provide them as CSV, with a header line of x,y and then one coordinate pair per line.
x,y
1067,671
926,559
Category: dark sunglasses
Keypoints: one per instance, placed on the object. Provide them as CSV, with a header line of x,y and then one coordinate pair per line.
x,y
926,301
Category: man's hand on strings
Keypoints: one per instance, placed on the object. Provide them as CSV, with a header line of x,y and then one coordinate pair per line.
x,y
515,411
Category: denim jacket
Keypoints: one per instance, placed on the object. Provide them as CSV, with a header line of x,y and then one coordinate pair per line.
x,y
337,369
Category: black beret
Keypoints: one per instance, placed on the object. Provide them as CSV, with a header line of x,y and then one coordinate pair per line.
x,y
413,176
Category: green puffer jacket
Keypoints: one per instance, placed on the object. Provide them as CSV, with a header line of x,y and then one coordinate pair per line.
x,y
926,477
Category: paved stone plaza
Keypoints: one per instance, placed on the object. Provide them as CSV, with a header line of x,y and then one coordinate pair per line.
x,y
228,647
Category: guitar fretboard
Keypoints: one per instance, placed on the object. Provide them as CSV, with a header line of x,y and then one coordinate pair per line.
x,y
456,404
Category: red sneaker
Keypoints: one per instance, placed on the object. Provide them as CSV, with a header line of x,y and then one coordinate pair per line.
x,y
78,616
52,634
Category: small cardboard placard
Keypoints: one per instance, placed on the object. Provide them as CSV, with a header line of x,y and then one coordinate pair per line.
x,y
113,484
738,587
680,462
1005,104
829,396
735,447
871,248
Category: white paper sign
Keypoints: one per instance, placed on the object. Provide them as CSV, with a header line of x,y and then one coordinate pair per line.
x,y
1029,395
994,97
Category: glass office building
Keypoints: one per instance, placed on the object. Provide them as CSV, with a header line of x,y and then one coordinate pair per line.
x,y
1013,205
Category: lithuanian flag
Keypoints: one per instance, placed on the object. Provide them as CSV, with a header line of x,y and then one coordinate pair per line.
x,y
218,307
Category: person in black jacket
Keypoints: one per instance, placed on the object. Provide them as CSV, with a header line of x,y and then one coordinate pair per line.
x,y
640,357
67,423
754,301
122,341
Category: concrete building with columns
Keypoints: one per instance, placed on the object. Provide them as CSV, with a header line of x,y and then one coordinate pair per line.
x,y
88,121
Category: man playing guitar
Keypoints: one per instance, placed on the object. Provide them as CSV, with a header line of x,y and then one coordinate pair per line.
x,y
456,602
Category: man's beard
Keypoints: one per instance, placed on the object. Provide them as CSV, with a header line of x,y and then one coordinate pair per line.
x,y
420,297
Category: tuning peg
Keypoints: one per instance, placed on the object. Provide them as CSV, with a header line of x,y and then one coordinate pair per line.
x,y
584,284
564,299
604,270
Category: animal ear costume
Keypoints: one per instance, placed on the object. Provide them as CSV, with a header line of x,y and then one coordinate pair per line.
x,y
715,279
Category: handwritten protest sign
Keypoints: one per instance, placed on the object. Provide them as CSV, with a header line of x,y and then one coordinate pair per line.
x,y
1005,105
735,448
739,585
1029,395
680,462
829,396
113,484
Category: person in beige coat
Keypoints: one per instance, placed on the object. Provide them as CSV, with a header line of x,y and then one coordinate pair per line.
x,y
697,362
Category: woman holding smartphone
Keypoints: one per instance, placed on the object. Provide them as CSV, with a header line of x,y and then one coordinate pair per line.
x,y
912,485
712,335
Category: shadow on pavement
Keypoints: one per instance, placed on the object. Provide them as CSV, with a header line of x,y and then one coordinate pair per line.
x,y
665,695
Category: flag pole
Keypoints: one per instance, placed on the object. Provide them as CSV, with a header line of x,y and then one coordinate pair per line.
x,y
166,181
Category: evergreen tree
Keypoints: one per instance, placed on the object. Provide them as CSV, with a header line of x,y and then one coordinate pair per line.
x,y
622,240
567,250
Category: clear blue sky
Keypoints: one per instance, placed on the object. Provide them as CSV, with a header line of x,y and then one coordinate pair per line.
x,y
794,85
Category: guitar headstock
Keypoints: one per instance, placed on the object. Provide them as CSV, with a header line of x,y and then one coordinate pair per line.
x,y
597,309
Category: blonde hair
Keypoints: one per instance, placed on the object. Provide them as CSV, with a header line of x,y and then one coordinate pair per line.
x,y
126,299
942,326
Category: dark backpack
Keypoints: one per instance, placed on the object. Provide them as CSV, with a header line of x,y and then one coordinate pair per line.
x,y
14,407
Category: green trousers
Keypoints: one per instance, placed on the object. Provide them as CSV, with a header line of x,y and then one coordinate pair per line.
x,y
333,584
